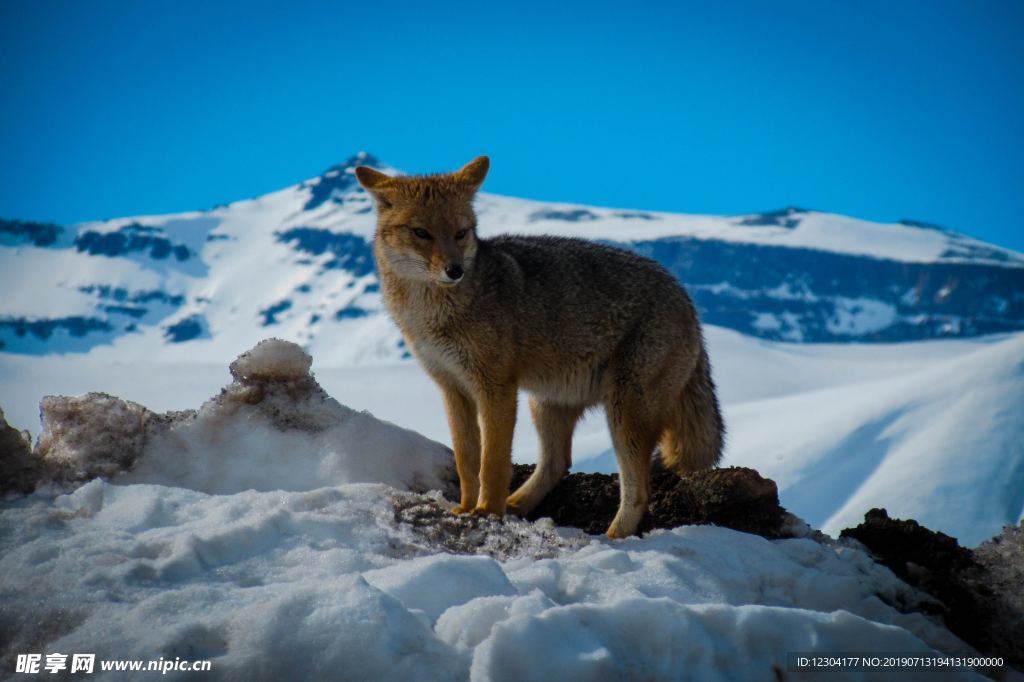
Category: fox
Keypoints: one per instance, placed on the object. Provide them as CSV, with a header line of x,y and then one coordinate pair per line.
x,y
573,323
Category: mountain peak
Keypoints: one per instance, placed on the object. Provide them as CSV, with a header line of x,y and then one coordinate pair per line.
x,y
360,158
336,181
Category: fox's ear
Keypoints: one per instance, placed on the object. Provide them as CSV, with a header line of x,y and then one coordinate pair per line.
x,y
369,178
474,172
374,182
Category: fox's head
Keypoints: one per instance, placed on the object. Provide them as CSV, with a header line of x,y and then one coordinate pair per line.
x,y
426,226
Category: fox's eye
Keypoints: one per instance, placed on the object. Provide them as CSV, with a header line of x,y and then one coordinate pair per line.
x,y
461,234
421,233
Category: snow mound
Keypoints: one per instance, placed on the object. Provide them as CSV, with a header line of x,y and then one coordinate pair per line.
x,y
272,359
329,583
660,637
431,585
272,428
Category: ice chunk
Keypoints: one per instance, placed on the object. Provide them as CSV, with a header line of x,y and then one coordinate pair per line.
x,y
91,435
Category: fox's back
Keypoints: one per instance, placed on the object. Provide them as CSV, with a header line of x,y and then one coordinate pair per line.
x,y
569,303
573,281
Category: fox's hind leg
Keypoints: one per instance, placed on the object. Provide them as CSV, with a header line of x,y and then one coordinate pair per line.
x,y
555,424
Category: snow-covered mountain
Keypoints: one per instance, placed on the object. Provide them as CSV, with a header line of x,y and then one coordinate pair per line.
x,y
297,263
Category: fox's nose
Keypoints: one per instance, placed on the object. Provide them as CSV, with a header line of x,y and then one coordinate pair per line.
x,y
454,272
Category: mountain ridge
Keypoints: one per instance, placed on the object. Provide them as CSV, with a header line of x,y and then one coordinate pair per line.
x,y
146,283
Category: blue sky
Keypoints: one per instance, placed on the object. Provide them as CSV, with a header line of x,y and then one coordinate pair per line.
x,y
882,110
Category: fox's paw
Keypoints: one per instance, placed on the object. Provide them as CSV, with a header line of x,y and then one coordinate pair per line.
x,y
619,531
518,506
488,510
459,509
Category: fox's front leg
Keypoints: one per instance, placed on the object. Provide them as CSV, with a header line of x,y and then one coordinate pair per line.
x,y
498,417
466,441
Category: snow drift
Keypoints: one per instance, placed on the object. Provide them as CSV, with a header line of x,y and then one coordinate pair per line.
x,y
943,444
272,428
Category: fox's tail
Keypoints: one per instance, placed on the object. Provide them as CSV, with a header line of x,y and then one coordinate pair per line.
x,y
695,438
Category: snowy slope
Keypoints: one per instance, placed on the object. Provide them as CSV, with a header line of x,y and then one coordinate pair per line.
x,y
943,445
297,263
930,430
794,228
328,579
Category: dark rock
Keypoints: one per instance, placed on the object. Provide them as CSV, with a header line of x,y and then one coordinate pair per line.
x,y
191,327
733,497
20,470
131,238
807,291
351,312
349,251
898,542
271,312
75,325
982,608
39,234
335,182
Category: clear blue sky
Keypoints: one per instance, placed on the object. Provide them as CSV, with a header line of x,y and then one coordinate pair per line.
x,y
882,110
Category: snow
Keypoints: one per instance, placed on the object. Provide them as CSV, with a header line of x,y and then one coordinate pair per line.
x,y
272,359
265,532
860,316
55,279
324,582
657,639
273,428
943,444
433,584
767,321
